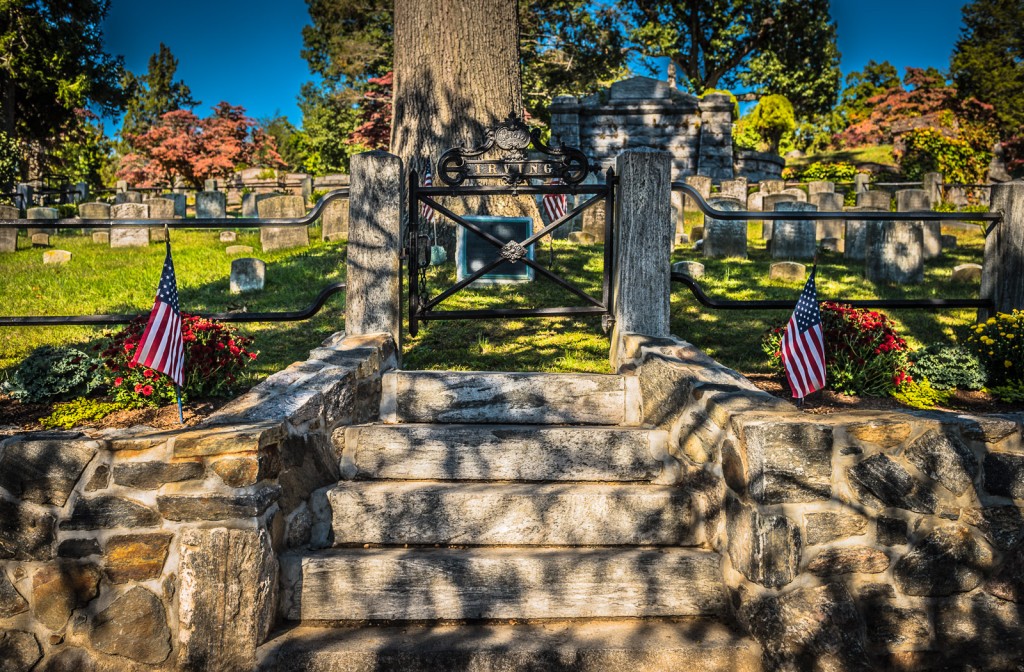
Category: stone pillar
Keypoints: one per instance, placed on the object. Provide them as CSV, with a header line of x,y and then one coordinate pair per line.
x,y
644,232
715,157
376,205
1002,277
725,237
933,187
894,252
911,200
793,239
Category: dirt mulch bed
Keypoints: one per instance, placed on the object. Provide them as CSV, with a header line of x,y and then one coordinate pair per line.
x,y
16,416
827,401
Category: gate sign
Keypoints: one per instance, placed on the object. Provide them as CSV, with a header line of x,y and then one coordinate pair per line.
x,y
513,168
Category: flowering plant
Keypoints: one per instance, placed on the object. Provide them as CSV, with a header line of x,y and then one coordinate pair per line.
x,y
214,360
997,342
863,354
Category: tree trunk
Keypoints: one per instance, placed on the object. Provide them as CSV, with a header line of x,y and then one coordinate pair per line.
x,y
456,75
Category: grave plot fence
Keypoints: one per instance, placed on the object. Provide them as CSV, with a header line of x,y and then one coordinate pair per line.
x,y
179,223
992,219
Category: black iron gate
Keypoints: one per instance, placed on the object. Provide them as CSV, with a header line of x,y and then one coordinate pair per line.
x,y
564,168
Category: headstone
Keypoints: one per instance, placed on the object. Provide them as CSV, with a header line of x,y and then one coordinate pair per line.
x,y
828,201
40,239
768,204
682,239
702,184
582,238
876,198
160,208
678,211
949,242
787,271
692,269
133,236
158,235
211,205
797,194
93,211
26,192
933,187
9,237
912,200
793,239
957,196
249,205
832,245
180,203
755,202
275,206
967,273
101,237
860,182
820,187
593,221
238,249
247,275
121,186
42,213
306,187
56,256
210,185
725,238
696,233
334,220
81,192
735,189
127,197
770,187
856,232
228,236
894,252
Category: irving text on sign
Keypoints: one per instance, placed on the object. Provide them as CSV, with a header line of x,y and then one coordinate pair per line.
x,y
498,168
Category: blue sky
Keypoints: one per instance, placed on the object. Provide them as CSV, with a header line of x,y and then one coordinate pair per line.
x,y
247,53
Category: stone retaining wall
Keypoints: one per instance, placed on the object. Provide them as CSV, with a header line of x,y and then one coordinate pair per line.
x,y
856,540
155,550
757,166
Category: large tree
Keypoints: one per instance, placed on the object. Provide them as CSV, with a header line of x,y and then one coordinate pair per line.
x,y
786,47
988,61
154,94
53,66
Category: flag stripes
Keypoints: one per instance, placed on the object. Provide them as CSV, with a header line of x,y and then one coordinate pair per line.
x,y
162,347
555,204
803,344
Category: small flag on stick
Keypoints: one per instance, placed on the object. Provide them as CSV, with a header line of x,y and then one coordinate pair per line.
x,y
803,344
427,212
162,347
555,204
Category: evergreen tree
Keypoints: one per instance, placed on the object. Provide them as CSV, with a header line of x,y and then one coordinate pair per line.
x,y
152,95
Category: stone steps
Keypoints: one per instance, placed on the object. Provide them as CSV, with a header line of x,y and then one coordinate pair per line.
x,y
503,453
509,398
695,645
500,514
426,584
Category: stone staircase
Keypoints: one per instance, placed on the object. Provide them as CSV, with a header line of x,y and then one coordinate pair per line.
x,y
506,521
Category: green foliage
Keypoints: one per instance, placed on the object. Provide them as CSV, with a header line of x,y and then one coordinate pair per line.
x,y
78,411
928,150
920,394
327,122
876,79
154,94
988,60
1012,392
948,367
54,373
10,162
833,172
999,343
289,140
766,126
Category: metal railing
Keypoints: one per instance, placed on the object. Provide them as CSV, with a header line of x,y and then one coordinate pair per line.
x,y
206,223
993,218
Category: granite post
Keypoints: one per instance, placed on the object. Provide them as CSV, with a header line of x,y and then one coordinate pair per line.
x,y
1002,277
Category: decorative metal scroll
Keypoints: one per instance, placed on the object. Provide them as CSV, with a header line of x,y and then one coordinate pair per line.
x,y
514,167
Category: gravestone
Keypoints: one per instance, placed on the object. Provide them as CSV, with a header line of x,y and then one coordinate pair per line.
x,y
894,252
247,275
832,245
692,269
957,196
702,184
334,220
9,237
274,206
856,232
797,194
735,189
768,204
93,211
828,201
249,205
912,200
820,187
159,208
211,205
793,239
180,203
593,221
725,238
238,249
755,202
967,273
933,187
56,256
101,237
697,233
769,187
949,241
127,197
228,236
129,236
876,198
40,239
26,192
787,271
860,182
582,238
42,213
678,212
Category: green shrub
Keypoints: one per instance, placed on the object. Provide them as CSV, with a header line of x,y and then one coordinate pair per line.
x,y
840,171
73,413
10,161
316,195
928,150
54,373
997,342
1012,392
920,394
67,210
767,127
949,367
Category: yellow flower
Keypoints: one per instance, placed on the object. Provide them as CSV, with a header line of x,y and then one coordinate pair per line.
x,y
991,320
1009,337
1007,363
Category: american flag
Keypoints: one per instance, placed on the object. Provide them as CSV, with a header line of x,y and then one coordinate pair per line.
x,y
554,204
803,345
162,347
427,212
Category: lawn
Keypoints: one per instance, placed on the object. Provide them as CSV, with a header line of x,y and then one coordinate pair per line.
x,y
100,280
867,154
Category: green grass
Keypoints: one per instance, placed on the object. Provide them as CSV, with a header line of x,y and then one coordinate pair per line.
x,y
867,154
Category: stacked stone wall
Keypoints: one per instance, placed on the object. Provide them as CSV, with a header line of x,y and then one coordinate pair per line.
x,y
156,550
856,540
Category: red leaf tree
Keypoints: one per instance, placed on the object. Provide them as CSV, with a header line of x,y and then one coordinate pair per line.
x,y
375,114
182,144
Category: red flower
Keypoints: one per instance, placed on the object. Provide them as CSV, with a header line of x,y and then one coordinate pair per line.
x,y
252,355
118,381
128,347
138,387
149,373
146,390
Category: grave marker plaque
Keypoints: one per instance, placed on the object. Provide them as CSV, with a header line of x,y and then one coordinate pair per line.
x,y
473,252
